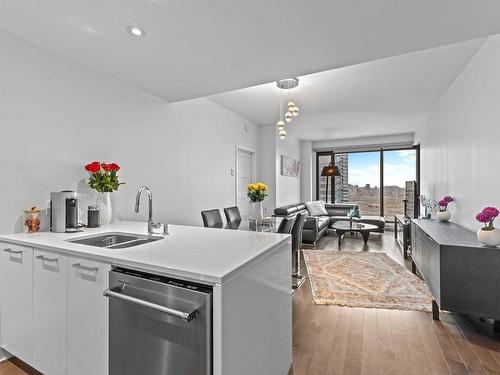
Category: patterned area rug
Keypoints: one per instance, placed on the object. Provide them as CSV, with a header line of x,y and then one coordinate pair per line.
x,y
364,280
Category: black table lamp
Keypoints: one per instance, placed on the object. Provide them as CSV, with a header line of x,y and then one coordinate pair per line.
x,y
329,170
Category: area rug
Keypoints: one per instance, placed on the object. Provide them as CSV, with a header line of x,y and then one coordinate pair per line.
x,y
364,280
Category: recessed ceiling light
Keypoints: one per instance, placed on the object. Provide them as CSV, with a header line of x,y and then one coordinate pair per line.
x,y
136,31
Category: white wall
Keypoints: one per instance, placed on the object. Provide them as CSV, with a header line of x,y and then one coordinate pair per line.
x,y
287,187
283,190
56,115
267,164
306,171
460,151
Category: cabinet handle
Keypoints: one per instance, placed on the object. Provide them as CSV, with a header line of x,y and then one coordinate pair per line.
x,y
10,251
85,268
44,258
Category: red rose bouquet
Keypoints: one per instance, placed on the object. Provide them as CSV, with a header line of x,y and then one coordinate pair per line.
x,y
103,176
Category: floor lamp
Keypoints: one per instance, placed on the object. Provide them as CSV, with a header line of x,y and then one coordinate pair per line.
x,y
329,171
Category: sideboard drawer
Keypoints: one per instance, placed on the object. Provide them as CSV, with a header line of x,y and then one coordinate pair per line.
x,y
429,264
416,251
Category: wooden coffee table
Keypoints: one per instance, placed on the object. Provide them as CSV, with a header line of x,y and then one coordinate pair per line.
x,y
343,227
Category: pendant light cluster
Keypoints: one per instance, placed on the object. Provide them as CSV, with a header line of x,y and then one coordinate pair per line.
x,y
286,86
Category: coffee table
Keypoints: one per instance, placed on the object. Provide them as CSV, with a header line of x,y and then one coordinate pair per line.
x,y
343,227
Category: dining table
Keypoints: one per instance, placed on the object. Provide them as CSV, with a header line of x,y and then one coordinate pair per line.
x,y
249,225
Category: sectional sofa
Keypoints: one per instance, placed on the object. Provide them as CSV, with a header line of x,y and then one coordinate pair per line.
x,y
317,226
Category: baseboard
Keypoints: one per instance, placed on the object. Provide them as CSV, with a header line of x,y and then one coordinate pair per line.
x,y
4,355
309,245
297,281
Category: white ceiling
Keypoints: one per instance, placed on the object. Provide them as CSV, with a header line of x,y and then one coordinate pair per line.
x,y
387,96
198,48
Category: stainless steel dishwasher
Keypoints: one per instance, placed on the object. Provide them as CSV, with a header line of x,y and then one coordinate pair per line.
x,y
158,325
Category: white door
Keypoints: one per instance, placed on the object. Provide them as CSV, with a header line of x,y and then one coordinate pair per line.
x,y
87,343
244,177
16,286
50,312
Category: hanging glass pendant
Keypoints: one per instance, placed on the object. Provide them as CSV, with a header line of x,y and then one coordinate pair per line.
x,y
286,87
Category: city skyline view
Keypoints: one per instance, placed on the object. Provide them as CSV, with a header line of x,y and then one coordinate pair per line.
x,y
359,180
399,167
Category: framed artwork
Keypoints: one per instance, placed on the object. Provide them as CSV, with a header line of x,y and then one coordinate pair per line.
x,y
289,166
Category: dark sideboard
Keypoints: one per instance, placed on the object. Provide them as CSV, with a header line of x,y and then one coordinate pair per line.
x,y
402,232
462,274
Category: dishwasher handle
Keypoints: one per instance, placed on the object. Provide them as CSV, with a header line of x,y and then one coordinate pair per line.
x,y
153,306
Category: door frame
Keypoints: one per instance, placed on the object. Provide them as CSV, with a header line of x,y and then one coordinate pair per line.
x,y
253,160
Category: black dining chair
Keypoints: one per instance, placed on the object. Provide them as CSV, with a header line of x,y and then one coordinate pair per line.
x,y
297,230
212,218
286,225
232,214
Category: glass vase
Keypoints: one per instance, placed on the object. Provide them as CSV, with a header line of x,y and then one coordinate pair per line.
x,y
104,204
257,212
31,220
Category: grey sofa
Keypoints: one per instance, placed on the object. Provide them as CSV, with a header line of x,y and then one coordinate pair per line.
x,y
316,226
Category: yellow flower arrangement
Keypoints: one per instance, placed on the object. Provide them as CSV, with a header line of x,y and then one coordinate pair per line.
x,y
257,186
257,192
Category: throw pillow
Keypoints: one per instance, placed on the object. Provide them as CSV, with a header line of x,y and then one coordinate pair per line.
x,y
316,208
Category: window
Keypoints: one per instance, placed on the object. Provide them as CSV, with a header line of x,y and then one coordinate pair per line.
x,y
375,180
359,180
399,167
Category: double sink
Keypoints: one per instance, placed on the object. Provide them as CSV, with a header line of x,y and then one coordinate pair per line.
x,y
115,240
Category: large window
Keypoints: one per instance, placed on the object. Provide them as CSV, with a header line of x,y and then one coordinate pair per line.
x,y
375,180
359,180
399,167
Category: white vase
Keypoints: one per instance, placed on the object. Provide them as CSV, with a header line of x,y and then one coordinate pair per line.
x,y
104,204
257,213
444,215
489,237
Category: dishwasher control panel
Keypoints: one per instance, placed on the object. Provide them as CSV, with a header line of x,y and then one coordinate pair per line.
x,y
165,280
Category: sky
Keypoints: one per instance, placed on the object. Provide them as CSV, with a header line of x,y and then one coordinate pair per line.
x,y
399,167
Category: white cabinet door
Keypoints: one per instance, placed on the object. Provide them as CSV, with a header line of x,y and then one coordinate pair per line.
x,y
87,317
50,312
16,300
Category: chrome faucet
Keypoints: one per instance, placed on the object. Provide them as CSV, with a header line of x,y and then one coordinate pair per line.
x,y
151,225
138,202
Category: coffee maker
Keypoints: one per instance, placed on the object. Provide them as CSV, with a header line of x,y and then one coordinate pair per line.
x,y
64,212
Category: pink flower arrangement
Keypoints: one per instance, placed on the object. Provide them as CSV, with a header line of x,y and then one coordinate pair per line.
x,y
487,216
443,203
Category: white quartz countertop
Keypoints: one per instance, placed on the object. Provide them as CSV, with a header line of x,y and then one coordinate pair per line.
x,y
205,255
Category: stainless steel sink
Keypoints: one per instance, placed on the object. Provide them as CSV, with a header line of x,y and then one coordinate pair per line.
x,y
135,243
115,240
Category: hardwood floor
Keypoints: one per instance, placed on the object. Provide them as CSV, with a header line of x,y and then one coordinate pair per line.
x,y
14,366
329,339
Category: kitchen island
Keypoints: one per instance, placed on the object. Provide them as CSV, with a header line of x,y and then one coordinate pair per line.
x,y
54,315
